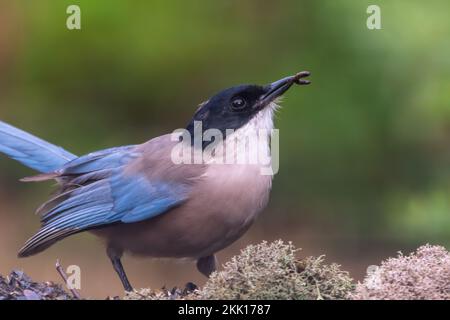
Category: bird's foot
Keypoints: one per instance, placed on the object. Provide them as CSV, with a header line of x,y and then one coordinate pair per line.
x,y
207,265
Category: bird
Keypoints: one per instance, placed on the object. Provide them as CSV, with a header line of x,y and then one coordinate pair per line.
x,y
138,200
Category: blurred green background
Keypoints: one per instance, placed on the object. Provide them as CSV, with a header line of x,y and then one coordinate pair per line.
x,y
364,150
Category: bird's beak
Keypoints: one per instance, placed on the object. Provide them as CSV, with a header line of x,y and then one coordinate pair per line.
x,y
277,88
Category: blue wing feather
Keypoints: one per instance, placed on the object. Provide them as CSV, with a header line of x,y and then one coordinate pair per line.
x,y
136,198
114,197
105,159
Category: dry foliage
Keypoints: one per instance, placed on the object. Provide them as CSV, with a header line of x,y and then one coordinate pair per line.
x,y
424,275
18,286
272,271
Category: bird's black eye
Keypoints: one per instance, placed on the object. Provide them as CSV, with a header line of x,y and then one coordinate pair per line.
x,y
238,103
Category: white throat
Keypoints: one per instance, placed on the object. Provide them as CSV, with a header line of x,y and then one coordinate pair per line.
x,y
249,144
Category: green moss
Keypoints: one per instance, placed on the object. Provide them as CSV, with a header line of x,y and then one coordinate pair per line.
x,y
272,271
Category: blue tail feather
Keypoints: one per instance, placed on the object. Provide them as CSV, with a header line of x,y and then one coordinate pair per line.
x,y
32,151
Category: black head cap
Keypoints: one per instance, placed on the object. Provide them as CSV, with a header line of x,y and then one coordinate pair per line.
x,y
232,108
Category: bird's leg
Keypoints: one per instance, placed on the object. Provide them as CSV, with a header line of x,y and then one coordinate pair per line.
x,y
207,265
117,264
115,256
